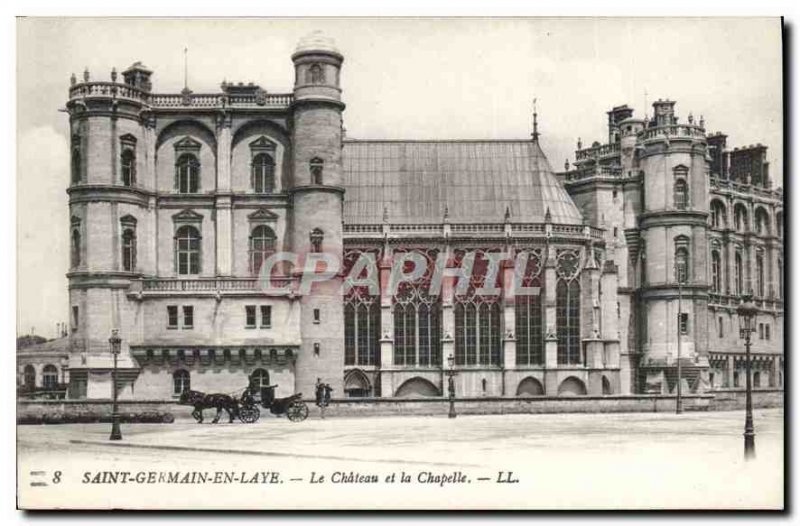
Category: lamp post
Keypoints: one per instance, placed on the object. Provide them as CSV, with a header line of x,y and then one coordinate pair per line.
x,y
679,275
451,387
747,311
115,342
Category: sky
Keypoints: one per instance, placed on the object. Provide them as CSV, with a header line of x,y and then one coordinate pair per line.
x,y
403,78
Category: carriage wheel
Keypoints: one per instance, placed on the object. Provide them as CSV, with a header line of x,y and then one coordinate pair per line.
x,y
297,412
250,414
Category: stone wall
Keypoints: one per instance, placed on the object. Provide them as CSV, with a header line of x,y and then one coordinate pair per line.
x,y
719,401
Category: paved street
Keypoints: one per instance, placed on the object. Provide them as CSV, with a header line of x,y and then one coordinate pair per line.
x,y
566,460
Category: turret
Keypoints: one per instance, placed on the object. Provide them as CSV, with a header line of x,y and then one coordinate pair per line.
x,y
673,225
317,199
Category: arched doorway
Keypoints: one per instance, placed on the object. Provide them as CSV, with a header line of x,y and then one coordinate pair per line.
x,y
417,388
530,387
356,384
607,390
571,387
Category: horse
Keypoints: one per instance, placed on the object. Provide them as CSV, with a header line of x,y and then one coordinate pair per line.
x,y
202,401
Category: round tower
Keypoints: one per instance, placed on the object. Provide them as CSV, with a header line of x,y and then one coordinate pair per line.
x,y
109,201
317,199
673,226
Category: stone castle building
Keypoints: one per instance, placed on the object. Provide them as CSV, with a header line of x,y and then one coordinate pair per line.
x,y
177,199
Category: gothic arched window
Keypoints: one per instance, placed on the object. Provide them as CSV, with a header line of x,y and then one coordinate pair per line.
x,y
528,315
128,165
716,272
362,324
129,250
478,335
187,250
681,194
187,174
262,245
75,249
417,321
568,308
181,381
263,176
316,167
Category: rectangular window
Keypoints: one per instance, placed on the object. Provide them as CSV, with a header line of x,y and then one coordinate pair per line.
x,y
760,331
266,316
721,329
188,317
75,318
172,317
316,316
250,311
684,323
766,332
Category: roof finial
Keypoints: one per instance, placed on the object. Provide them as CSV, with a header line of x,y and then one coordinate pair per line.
x,y
385,214
446,218
547,217
535,133
508,213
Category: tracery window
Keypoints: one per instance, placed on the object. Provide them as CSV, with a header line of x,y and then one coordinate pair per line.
x,y
263,173
187,250
568,307
187,174
417,320
262,245
362,319
478,335
528,313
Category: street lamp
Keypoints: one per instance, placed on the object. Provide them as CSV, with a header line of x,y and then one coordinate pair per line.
x,y
747,314
451,387
115,342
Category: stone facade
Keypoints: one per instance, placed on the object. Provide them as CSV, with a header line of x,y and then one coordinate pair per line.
x,y
176,199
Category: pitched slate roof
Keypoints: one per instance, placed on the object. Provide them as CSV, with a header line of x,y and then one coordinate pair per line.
x,y
475,180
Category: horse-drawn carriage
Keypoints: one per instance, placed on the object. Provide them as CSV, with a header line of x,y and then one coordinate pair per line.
x,y
245,407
